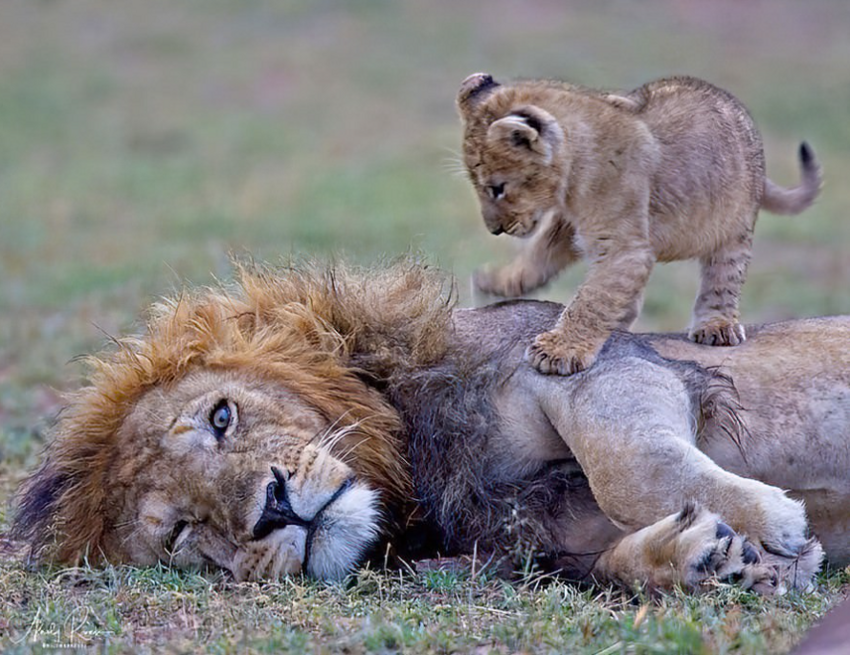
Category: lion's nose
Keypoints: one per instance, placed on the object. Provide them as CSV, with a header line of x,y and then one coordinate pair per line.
x,y
496,229
277,512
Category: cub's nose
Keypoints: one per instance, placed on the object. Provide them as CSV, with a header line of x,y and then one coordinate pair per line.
x,y
277,512
496,229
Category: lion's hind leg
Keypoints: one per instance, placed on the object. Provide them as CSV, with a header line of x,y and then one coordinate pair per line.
x,y
692,548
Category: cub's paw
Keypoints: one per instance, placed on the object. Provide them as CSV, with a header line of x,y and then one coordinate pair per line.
x,y
718,332
506,282
552,354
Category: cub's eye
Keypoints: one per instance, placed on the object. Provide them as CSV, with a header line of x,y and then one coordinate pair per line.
x,y
221,417
496,191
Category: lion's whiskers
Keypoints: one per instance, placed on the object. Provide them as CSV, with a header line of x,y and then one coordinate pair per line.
x,y
344,455
134,523
331,439
323,434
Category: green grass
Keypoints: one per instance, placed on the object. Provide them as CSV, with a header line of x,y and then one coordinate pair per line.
x,y
122,609
141,142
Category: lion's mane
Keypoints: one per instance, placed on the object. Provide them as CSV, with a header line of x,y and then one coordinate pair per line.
x,y
321,330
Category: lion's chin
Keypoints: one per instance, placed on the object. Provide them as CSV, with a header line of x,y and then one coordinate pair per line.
x,y
330,551
349,527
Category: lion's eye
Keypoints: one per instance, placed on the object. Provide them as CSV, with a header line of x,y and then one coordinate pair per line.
x,y
221,417
496,191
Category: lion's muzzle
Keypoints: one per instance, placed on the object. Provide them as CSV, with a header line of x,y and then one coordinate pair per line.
x,y
317,521
278,512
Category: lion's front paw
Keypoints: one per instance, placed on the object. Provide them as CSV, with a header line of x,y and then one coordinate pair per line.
x,y
552,354
710,551
693,548
718,332
772,519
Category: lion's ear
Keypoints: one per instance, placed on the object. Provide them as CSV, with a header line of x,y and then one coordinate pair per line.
x,y
473,90
529,128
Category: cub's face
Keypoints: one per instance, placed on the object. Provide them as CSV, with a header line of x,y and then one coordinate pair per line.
x,y
514,154
515,188
239,472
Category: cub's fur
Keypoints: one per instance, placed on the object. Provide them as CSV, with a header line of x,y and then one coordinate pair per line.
x,y
673,170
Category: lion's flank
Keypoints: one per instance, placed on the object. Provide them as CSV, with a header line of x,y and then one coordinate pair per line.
x,y
318,328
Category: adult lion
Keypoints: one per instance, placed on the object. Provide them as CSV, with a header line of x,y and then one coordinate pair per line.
x,y
312,416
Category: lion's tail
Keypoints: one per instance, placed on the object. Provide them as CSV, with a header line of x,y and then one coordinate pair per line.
x,y
779,200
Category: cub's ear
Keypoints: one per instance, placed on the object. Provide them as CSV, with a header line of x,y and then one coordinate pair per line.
x,y
529,128
473,90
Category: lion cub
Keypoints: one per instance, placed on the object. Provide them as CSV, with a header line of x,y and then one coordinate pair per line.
x,y
673,170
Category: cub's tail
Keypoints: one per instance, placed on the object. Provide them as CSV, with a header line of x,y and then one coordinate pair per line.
x,y
779,200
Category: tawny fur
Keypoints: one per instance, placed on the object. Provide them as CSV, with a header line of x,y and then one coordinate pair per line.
x,y
309,328
670,171
366,389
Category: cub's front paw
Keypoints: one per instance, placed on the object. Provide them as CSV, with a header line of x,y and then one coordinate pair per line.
x,y
504,282
718,332
553,354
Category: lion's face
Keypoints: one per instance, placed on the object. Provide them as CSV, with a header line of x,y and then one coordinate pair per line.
x,y
237,431
238,472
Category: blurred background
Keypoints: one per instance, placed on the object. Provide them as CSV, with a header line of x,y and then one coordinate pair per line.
x,y
141,142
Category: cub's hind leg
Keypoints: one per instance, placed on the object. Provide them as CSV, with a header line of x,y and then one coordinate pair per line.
x,y
716,317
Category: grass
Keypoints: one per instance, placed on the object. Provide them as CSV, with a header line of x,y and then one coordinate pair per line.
x,y
124,609
142,142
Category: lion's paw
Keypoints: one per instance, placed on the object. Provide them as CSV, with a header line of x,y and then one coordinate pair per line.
x,y
552,354
797,571
709,551
718,332
772,519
